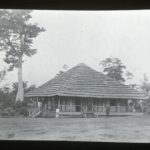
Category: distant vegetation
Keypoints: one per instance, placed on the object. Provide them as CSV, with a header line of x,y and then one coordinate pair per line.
x,y
114,68
9,106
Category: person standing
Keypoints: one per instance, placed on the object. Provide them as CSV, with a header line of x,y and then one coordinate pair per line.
x,y
107,108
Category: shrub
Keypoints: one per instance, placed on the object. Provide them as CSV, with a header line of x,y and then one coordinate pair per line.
x,y
146,106
21,108
7,112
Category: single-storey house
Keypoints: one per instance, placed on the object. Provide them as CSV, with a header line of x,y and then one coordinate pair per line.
x,y
81,91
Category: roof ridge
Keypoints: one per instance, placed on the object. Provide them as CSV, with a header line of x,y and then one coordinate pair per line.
x,y
71,77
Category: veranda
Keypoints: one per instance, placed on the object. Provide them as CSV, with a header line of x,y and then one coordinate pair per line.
x,y
78,105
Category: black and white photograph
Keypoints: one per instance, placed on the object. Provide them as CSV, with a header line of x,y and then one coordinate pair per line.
x,y
68,75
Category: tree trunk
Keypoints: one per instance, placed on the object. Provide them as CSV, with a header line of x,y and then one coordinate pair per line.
x,y
20,92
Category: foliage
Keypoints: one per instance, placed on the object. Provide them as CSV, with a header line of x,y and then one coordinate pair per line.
x,y
30,88
7,102
7,99
16,39
17,35
59,73
145,86
7,112
21,108
114,68
64,69
8,105
25,87
15,87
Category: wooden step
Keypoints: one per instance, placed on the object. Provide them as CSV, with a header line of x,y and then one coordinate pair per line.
x,y
89,115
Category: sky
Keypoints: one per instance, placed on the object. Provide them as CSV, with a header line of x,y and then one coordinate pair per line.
x,y
74,37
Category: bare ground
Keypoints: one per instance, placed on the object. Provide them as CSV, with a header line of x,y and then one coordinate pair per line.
x,y
113,129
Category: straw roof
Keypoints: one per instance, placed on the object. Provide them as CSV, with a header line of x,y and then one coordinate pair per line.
x,y
83,81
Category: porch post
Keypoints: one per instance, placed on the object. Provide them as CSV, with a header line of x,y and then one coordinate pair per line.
x,y
118,105
97,105
48,103
142,106
85,107
103,106
44,101
81,105
58,103
52,104
92,104
58,108
70,104
36,102
126,105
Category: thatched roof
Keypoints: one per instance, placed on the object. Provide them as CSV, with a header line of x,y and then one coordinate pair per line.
x,y
83,81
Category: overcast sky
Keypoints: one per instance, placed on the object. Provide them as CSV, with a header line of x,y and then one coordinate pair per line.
x,y
73,37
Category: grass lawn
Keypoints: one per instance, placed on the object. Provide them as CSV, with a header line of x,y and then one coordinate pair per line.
x,y
113,129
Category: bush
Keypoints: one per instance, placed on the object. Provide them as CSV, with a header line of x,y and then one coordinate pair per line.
x,y
146,107
21,108
7,112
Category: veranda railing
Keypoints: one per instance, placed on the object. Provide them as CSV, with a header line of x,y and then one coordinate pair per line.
x,y
75,108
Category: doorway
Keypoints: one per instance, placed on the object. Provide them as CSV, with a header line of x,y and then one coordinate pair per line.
x,y
89,105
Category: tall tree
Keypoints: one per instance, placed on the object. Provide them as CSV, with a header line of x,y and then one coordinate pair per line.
x,y
16,39
115,69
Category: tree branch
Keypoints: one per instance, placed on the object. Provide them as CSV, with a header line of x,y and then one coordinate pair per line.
x,y
2,74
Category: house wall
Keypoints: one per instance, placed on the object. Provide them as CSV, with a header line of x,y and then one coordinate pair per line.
x,y
67,105
116,105
98,105
121,105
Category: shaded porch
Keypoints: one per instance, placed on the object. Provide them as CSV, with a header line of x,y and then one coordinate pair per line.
x,y
80,106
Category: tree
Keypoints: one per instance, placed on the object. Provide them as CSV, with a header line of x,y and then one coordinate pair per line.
x,y
15,87
136,87
7,99
114,68
64,69
25,87
30,88
16,39
145,86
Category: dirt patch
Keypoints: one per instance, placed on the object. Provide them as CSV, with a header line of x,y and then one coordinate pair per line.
x,y
114,129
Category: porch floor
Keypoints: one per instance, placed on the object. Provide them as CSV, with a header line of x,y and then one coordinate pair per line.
x,y
80,114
